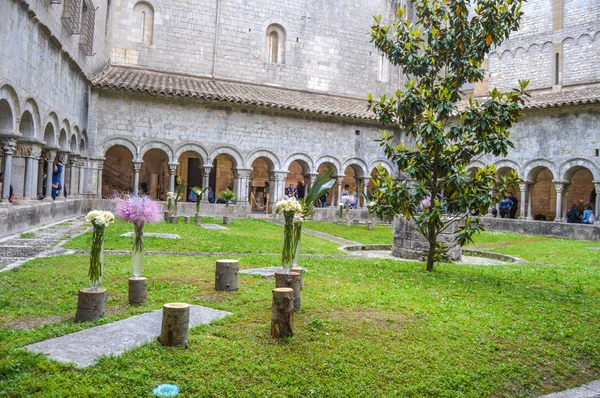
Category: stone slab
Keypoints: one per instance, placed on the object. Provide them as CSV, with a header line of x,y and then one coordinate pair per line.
x,y
266,272
590,390
213,226
85,347
152,235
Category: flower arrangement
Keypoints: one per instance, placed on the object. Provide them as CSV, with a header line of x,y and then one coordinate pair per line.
x,y
180,190
289,208
288,205
138,210
198,192
170,199
227,196
100,219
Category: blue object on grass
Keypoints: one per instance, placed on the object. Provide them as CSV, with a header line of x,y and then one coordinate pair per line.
x,y
166,390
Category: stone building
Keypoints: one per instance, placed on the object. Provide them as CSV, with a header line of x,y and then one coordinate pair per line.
x,y
236,93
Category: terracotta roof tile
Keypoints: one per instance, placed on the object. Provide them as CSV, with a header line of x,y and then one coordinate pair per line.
x,y
587,95
122,78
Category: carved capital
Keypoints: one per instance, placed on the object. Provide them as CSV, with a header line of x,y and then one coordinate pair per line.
x,y
100,164
23,150
278,175
50,155
73,161
137,165
172,168
9,146
559,186
597,187
63,157
36,151
523,186
242,173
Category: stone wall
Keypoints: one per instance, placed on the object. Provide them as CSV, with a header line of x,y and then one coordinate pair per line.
x,y
410,244
561,230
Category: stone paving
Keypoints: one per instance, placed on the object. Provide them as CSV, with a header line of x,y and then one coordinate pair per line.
x,y
152,235
85,347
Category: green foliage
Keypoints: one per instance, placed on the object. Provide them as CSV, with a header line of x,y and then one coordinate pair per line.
x,y
198,192
227,196
445,138
319,188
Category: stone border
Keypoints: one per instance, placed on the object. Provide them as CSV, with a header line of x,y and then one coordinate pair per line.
x,y
493,256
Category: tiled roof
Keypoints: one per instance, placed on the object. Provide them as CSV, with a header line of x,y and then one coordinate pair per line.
x,y
160,83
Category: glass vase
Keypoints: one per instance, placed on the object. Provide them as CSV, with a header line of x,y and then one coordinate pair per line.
x,y
137,254
96,257
297,239
174,208
287,256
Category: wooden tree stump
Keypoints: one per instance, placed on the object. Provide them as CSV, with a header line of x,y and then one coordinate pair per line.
x,y
198,220
175,324
299,270
282,319
370,225
187,219
226,220
174,219
168,216
226,275
91,304
291,280
138,290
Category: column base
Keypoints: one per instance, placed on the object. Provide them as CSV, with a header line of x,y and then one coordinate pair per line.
x,y
557,220
22,201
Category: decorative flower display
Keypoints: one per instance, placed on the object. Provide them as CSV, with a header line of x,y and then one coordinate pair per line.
x,y
289,205
100,219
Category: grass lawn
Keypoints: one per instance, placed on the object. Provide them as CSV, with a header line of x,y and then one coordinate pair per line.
x,y
357,233
368,328
243,236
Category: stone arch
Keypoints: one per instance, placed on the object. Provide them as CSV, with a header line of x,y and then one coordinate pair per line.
x,y
27,125
570,167
29,105
74,140
505,53
9,109
519,52
143,29
63,139
385,163
166,148
596,36
269,156
583,37
358,165
535,166
304,159
122,141
51,130
83,143
508,164
233,153
331,160
192,147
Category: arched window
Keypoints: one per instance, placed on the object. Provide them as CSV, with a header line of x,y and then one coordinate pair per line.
x,y
275,44
143,14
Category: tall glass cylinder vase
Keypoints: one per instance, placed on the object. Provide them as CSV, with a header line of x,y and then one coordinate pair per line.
x,y
297,238
137,254
174,208
287,257
96,257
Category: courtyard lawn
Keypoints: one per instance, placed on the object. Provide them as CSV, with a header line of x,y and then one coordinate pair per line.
x,y
367,328
381,234
244,235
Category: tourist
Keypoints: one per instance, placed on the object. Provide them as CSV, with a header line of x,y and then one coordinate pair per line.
x,y
588,215
290,192
505,206
192,196
580,207
573,215
266,193
515,205
211,195
300,190
11,195
56,183
323,200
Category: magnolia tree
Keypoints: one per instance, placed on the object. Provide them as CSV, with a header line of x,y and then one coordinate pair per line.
x,y
441,50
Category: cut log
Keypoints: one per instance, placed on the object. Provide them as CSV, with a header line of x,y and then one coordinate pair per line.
x,y
138,288
186,219
198,220
174,219
91,304
226,275
299,270
291,280
282,319
226,220
168,216
370,225
175,324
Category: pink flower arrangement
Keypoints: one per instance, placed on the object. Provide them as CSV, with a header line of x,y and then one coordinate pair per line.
x,y
137,209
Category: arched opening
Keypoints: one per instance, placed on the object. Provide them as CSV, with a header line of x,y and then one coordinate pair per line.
x,y
26,126
63,142
154,174
117,174
370,184
221,174
332,197
189,168
352,185
543,195
275,44
143,28
6,117
297,179
261,188
579,190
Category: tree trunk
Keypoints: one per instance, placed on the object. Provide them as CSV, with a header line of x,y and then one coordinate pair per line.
x,y
291,280
138,287
226,275
282,319
432,248
91,304
175,324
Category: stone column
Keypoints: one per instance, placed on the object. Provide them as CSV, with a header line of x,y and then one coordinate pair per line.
x,y
559,186
172,170
63,158
597,204
277,183
32,175
81,164
137,165
338,183
99,166
72,185
366,186
523,189
50,157
241,181
206,180
40,174
8,146
529,199
565,203
309,180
